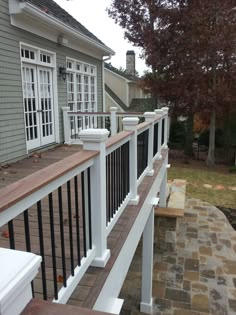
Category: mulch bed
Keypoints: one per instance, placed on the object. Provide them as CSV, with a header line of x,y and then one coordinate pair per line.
x,y
230,214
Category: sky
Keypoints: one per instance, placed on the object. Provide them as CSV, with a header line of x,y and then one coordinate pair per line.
x,y
92,14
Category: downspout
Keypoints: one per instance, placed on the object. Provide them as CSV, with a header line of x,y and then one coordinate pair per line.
x,y
103,79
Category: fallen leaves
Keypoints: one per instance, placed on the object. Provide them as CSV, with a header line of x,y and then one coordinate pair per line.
x,y
60,278
5,234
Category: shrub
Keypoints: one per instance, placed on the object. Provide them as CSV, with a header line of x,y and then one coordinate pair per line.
x,y
177,134
232,169
219,138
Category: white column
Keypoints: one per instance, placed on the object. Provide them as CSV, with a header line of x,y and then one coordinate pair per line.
x,y
162,201
130,123
95,139
165,110
113,111
66,125
160,113
149,117
17,270
146,305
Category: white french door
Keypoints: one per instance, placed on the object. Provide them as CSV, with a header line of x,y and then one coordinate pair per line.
x,y
38,105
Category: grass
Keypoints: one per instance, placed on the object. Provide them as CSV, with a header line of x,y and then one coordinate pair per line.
x,y
197,174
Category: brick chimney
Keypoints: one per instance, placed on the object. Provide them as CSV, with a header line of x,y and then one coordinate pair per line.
x,y
130,62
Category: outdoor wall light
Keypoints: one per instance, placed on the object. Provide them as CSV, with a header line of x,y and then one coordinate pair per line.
x,y
62,73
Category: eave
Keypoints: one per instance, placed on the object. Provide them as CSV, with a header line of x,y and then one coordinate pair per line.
x,y
23,13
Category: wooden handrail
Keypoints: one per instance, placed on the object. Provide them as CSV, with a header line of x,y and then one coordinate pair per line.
x,y
17,191
117,138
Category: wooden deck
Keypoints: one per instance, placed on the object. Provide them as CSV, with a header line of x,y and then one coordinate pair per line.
x,y
89,287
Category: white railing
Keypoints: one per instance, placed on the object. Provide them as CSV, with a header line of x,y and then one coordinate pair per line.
x,y
96,184
74,122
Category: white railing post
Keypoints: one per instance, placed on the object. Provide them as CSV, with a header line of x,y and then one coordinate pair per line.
x,y
95,139
163,191
66,124
130,123
113,111
17,270
159,112
146,305
149,117
165,110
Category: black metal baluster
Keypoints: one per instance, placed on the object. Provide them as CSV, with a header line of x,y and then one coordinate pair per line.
x,y
115,184
53,245
128,168
27,232
63,256
84,218
123,171
108,187
155,143
162,131
70,228
77,219
41,245
11,234
89,209
111,185
146,148
119,177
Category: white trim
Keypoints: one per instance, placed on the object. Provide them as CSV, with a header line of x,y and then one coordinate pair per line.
x,y
20,12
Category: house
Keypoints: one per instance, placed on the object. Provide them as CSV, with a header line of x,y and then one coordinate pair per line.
x,y
123,89
47,60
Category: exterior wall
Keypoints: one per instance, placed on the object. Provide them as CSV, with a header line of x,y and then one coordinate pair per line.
x,y
12,127
109,102
134,92
118,85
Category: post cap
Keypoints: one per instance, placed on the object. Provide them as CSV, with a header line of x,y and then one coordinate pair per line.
x,y
130,121
113,109
165,109
159,111
18,269
149,115
94,135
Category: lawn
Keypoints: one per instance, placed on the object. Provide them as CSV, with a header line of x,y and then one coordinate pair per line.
x,y
217,180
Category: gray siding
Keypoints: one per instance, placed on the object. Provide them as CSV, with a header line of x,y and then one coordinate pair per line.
x,y
12,129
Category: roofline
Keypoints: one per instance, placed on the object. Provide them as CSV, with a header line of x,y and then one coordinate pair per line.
x,y
27,8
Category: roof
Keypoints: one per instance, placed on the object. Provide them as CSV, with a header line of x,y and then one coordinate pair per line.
x,y
122,73
52,8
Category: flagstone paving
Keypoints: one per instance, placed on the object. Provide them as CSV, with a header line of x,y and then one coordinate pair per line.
x,y
199,277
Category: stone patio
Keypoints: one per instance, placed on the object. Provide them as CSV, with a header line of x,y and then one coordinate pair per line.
x,y
199,277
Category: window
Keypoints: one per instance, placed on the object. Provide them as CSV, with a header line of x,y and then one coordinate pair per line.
x,y
37,56
81,86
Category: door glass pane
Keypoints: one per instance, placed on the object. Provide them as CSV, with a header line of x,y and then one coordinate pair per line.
x,y
29,87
